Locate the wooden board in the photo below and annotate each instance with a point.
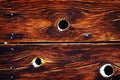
(37, 21)
(62, 61)
(29, 29)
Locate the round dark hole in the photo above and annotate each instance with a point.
(63, 24)
(108, 70)
(38, 61)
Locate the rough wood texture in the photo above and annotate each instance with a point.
(23, 23)
(36, 20)
(62, 62)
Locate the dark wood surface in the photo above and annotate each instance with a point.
(29, 29)
(61, 62)
(36, 20)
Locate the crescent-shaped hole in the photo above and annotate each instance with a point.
(107, 70)
(37, 62)
(63, 25)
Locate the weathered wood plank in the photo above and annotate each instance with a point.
(61, 61)
(37, 21)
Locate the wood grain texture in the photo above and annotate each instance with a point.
(36, 20)
(62, 62)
